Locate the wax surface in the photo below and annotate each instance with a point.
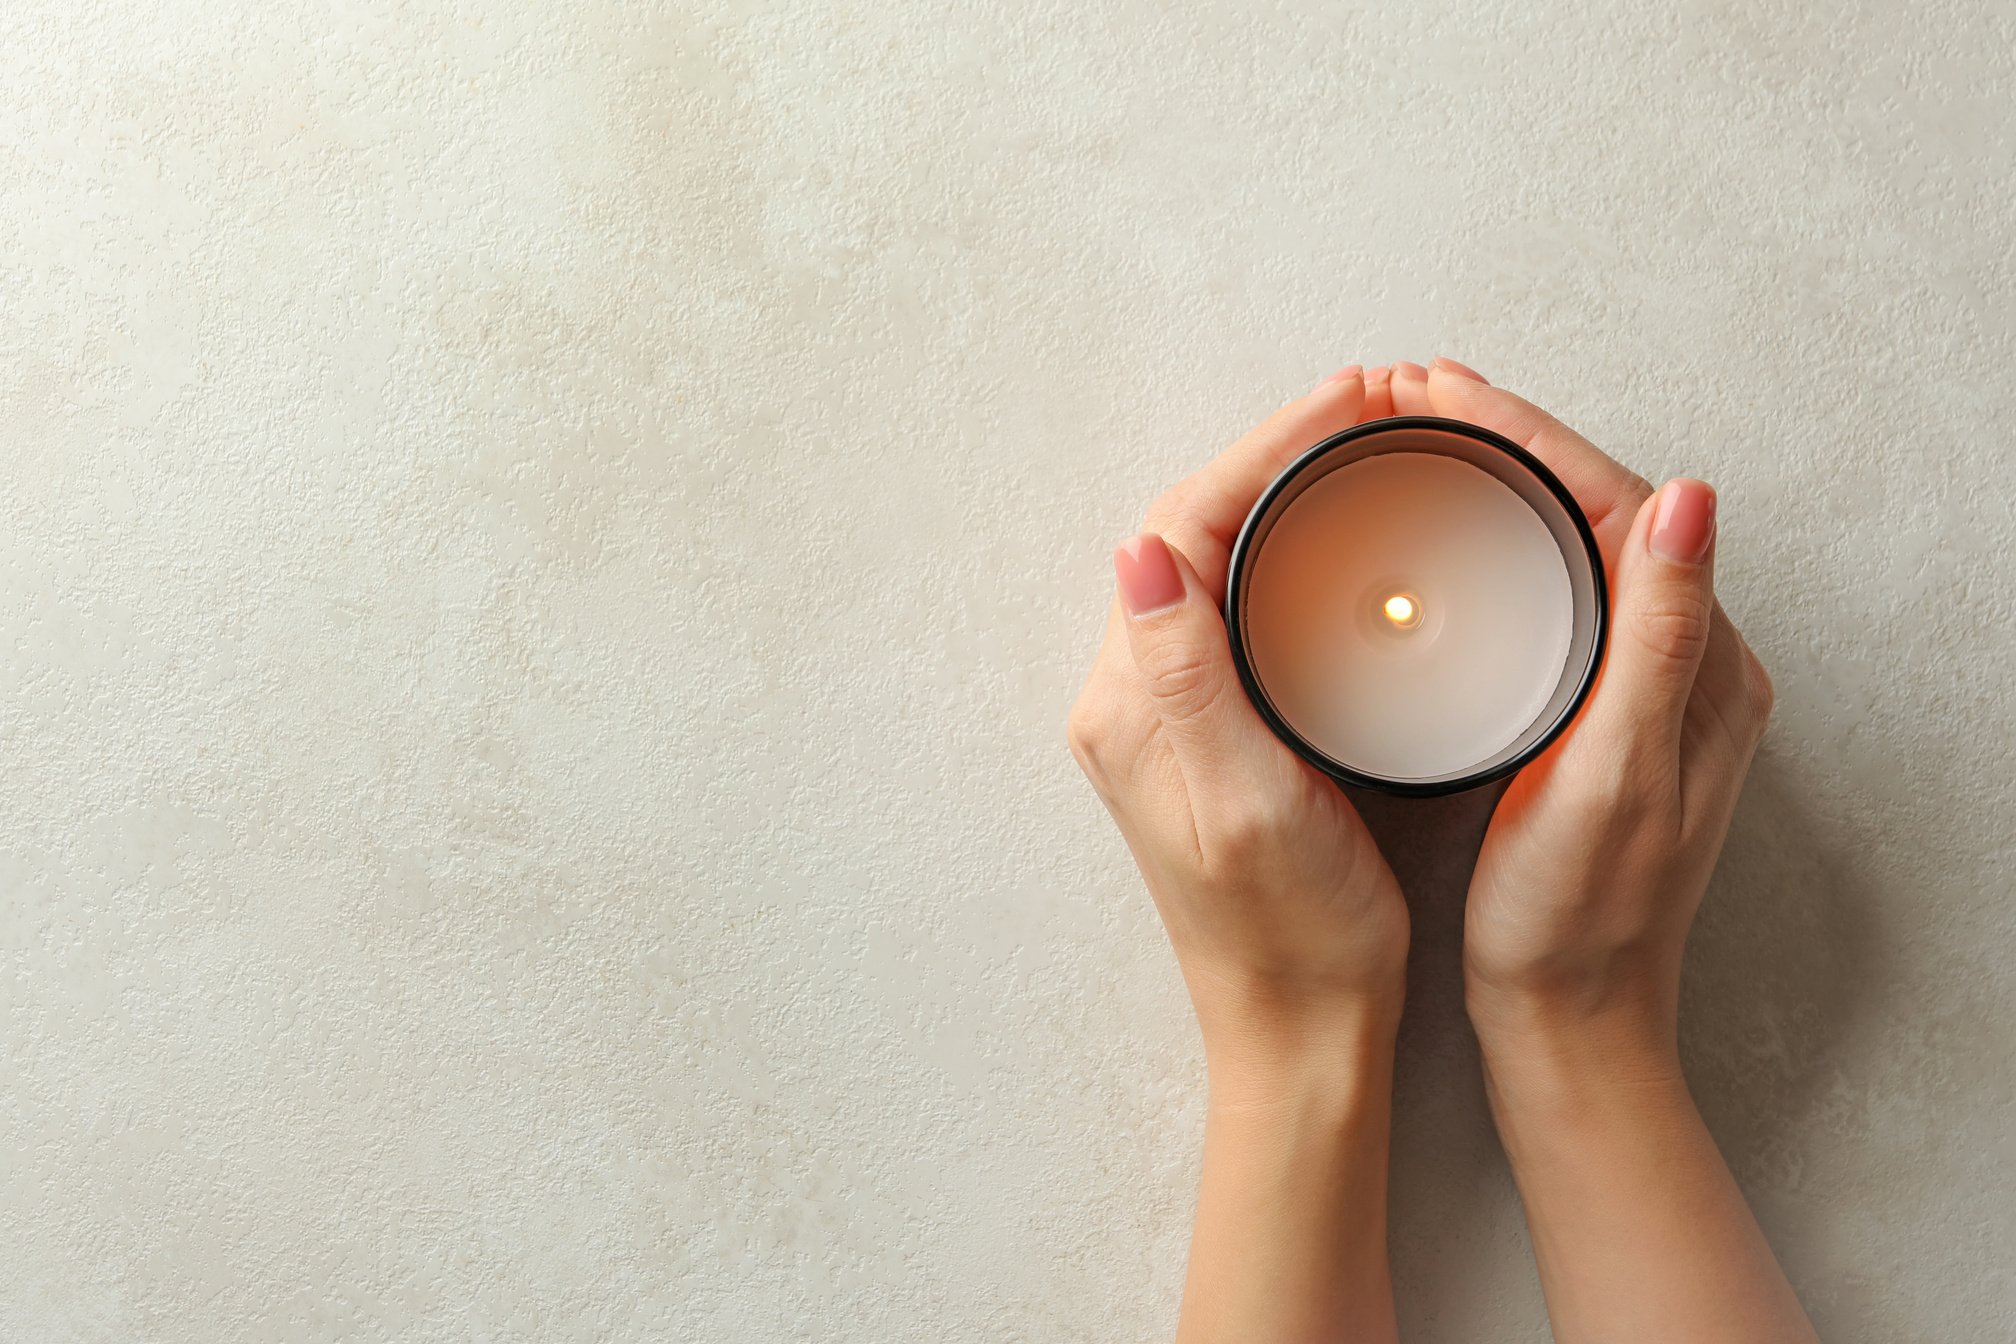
(1495, 615)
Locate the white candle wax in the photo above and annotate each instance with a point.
(1409, 615)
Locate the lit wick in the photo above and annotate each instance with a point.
(1403, 611)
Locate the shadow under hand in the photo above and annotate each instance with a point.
(1780, 969)
(1776, 965)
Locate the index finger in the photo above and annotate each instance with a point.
(1608, 492)
(1202, 514)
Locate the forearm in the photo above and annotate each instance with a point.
(1638, 1228)
(1290, 1240)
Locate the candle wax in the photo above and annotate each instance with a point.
(1409, 615)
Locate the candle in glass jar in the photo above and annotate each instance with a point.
(1410, 615)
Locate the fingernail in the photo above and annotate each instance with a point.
(1147, 575)
(1464, 370)
(1403, 369)
(1683, 522)
(1345, 374)
(1378, 375)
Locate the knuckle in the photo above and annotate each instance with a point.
(1170, 507)
(1615, 490)
(1617, 797)
(1243, 832)
(1623, 788)
(1182, 673)
(1086, 730)
(1675, 628)
(1553, 440)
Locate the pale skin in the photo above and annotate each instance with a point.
(1292, 933)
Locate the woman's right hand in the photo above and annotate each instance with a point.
(1594, 864)
(1599, 852)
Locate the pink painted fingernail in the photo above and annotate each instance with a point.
(1147, 575)
(1463, 370)
(1406, 369)
(1345, 374)
(1683, 522)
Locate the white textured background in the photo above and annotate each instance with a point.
(545, 548)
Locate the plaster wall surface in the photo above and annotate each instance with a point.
(545, 549)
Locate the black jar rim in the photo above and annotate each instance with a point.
(1244, 549)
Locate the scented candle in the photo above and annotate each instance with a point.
(1416, 605)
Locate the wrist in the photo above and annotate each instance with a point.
(1546, 1048)
(1567, 1103)
(1621, 1004)
(1267, 1049)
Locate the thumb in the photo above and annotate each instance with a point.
(1180, 649)
(1664, 607)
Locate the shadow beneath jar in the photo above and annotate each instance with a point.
(1460, 1270)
